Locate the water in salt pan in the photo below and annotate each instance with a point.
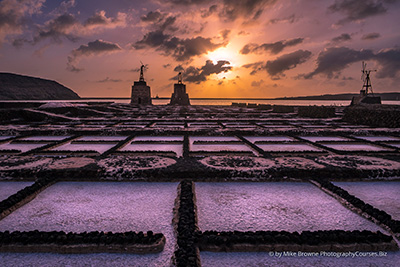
(269, 138)
(92, 206)
(220, 147)
(45, 138)
(213, 138)
(381, 195)
(158, 138)
(9, 188)
(287, 147)
(378, 138)
(272, 206)
(324, 138)
(21, 147)
(355, 147)
(176, 148)
(102, 138)
(394, 144)
(5, 137)
(101, 148)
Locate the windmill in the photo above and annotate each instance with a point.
(365, 93)
(366, 79)
(142, 68)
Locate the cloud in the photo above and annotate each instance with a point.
(371, 36)
(257, 83)
(273, 48)
(160, 21)
(97, 47)
(229, 10)
(67, 26)
(248, 9)
(331, 61)
(205, 13)
(290, 19)
(179, 68)
(275, 68)
(180, 49)
(256, 67)
(341, 38)
(355, 10)
(225, 34)
(14, 14)
(196, 75)
(107, 80)
(99, 19)
(389, 62)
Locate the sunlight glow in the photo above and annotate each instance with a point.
(224, 53)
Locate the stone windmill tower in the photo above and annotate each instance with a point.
(179, 96)
(141, 94)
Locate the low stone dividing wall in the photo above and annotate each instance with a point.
(24, 196)
(357, 205)
(333, 240)
(92, 242)
(185, 221)
(373, 115)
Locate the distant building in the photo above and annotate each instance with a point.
(141, 91)
(179, 96)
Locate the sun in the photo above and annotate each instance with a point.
(227, 54)
(223, 53)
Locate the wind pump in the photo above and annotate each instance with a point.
(367, 86)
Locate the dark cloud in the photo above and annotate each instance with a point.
(179, 68)
(152, 16)
(341, 38)
(225, 34)
(331, 61)
(257, 83)
(160, 21)
(57, 28)
(196, 75)
(273, 48)
(67, 26)
(248, 9)
(256, 67)
(389, 62)
(180, 49)
(167, 66)
(291, 19)
(276, 67)
(14, 15)
(92, 48)
(208, 12)
(108, 80)
(230, 10)
(100, 19)
(371, 36)
(355, 10)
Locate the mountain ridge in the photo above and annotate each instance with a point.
(21, 87)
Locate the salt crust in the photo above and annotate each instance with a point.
(71, 163)
(114, 164)
(363, 163)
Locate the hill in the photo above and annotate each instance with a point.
(384, 96)
(20, 87)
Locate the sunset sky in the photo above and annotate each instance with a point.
(225, 48)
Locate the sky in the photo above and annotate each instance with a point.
(224, 48)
